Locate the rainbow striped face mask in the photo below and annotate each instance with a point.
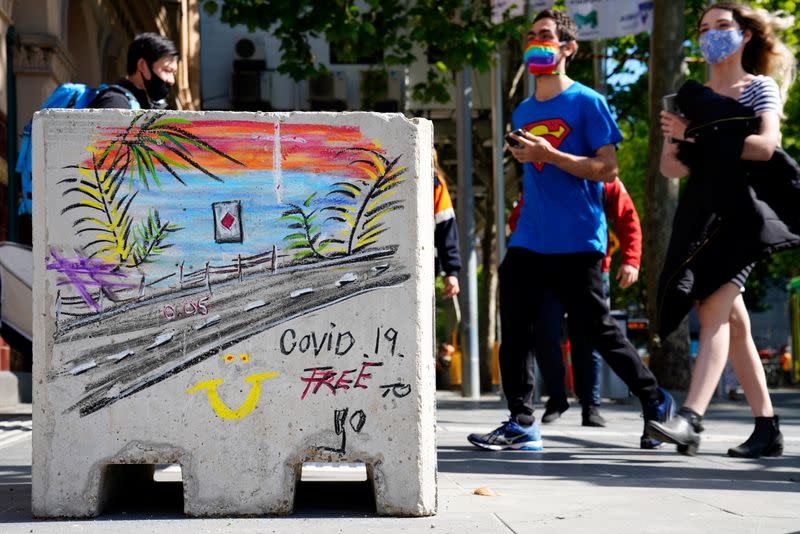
(541, 57)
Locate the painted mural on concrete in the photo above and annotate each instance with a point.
(210, 282)
(275, 221)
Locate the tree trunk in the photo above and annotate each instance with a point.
(669, 358)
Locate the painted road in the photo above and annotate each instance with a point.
(128, 349)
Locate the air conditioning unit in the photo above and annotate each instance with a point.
(251, 84)
(250, 49)
(331, 84)
(328, 91)
(396, 85)
(381, 90)
(340, 84)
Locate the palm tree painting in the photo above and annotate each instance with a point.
(362, 223)
(305, 240)
(144, 184)
(146, 144)
(358, 207)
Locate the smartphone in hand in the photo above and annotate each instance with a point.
(670, 105)
(513, 142)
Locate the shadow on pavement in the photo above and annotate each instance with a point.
(334, 499)
(595, 464)
(15, 493)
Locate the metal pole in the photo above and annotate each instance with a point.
(497, 156)
(470, 369)
(599, 66)
(499, 179)
(11, 135)
(530, 10)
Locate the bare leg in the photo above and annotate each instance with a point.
(714, 313)
(746, 363)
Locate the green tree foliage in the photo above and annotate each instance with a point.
(394, 30)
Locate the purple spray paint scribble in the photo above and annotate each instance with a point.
(82, 273)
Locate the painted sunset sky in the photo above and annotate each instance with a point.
(311, 158)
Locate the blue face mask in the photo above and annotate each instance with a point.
(717, 45)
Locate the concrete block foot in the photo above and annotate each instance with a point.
(401, 490)
(238, 487)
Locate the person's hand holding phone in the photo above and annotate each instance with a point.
(528, 148)
(512, 141)
(674, 127)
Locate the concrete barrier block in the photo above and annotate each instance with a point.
(236, 293)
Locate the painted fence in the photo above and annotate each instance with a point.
(237, 293)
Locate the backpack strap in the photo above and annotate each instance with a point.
(72, 99)
(133, 103)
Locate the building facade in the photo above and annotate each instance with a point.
(49, 42)
(239, 72)
(55, 41)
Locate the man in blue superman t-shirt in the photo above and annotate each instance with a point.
(568, 149)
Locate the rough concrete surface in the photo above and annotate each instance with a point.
(235, 293)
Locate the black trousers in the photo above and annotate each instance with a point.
(577, 283)
(586, 364)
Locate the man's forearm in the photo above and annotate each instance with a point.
(589, 168)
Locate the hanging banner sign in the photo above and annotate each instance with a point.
(517, 8)
(538, 5)
(609, 19)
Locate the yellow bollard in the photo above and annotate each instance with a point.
(496, 364)
(455, 363)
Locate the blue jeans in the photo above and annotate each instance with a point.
(586, 362)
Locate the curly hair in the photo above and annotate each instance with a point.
(565, 27)
(765, 53)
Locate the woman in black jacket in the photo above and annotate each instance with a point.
(736, 208)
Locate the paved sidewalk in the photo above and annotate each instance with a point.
(586, 480)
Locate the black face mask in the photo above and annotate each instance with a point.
(157, 89)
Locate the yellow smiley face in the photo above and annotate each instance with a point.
(219, 406)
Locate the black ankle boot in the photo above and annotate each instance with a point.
(766, 440)
(683, 430)
(590, 416)
(554, 408)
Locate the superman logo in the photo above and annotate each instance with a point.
(553, 130)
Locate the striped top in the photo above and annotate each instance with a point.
(762, 94)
